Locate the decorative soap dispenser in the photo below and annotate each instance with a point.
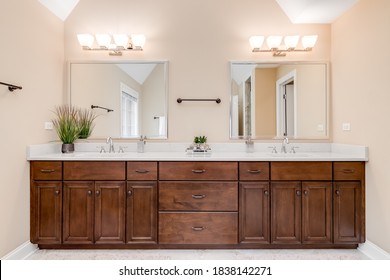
(141, 144)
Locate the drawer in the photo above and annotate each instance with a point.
(254, 171)
(94, 170)
(348, 170)
(141, 170)
(198, 170)
(46, 170)
(203, 196)
(297, 170)
(198, 228)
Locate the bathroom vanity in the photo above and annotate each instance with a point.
(167, 200)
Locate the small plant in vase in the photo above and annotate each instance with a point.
(200, 144)
(67, 127)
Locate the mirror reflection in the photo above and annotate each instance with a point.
(135, 94)
(275, 100)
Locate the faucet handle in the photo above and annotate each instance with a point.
(274, 151)
(121, 149)
(293, 149)
(102, 150)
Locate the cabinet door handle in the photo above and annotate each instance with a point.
(254, 171)
(348, 171)
(266, 192)
(337, 192)
(198, 170)
(198, 196)
(47, 170)
(89, 192)
(142, 171)
(305, 192)
(97, 193)
(57, 192)
(298, 193)
(129, 193)
(198, 228)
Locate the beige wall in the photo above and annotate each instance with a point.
(360, 71)
(198, 38)
(32, 54)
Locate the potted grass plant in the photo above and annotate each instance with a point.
(86, 124)
(66, 126)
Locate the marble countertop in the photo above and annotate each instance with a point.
(220, 152)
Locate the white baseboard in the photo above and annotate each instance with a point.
(22, 252)
(373, 251)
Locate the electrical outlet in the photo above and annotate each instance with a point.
(49, 125)
(346, 127)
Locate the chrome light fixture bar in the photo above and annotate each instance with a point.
(115, 44)
(275, 45)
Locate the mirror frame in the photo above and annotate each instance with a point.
(166, 78)
(286, 62)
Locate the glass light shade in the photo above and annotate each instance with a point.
(291, 42)
(121, 40)
(274, 42)
(103, 40)
(138, 40)
(256, 42)
(85, 40)
(309, 42)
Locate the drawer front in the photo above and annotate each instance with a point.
(198, 228)
(297, 170)
(141, 170)
(254, 171)
(204, 196)
(94, 170)
(348, 170)
(198, 170)
(46, 170)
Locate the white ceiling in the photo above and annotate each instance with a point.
(299, 11)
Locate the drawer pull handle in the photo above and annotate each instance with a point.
(198, 228)
(254, 171)
(47, 170)
(198, 170)
(348, 171)
(142, 171)
(198, 196)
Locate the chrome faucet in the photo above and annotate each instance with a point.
(284, 145)
(111, 145)
(141, 144)
(250, 145)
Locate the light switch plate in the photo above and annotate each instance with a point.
(346, 127)
(49, 126)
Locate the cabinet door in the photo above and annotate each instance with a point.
(78, 212)
(141, 221)
(316, 212)
(110, 212)
(254, 212)
(46, 207)
(347, 212)
(286, 212)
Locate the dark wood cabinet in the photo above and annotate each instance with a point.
(197, 204)
(254, 219)
(46, 212)
(141, 209)
(94, 212)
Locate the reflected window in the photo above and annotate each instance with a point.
(130, 109)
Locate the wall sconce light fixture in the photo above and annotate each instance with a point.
(115, 44)
(278, 49)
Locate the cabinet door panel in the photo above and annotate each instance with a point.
(78, 212)
(286, 212)
(141, 220)
(254, 213)
(46, 212)
(347, 212)
(316, 212)
(110, 212)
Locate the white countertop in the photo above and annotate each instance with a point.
(220, 152)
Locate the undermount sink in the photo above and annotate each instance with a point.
(289, 155)
(99, 155)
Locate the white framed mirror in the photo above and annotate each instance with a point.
(281, 99)
(130, 97)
